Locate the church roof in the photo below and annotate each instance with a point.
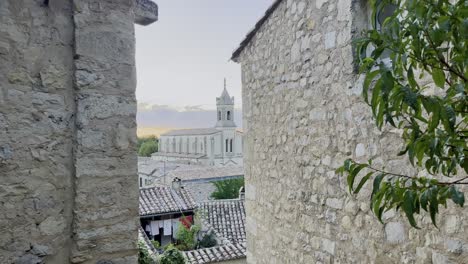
(192, 132)
(251, 34)
(225, 98)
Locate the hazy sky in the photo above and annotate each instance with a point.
(183, 58)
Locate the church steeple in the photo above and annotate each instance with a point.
(225, 109)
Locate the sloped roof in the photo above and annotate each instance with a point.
(226, 218)
(163, 199)
(206, 172)
(254, 31)
(194, 131)
(216, 254)
(146, 241)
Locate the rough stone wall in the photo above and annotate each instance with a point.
(106, 208)
(303, 116)
(68, 188)
(36, 131)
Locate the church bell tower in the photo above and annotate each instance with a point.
(225, 109)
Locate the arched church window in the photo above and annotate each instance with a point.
(228, 115)
(227, 143)
(219, 115)
(230, 145)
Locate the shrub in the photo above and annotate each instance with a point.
(155, 244)
(172, 256)
(186, 237)
(227, 189)
(143, 254)
(209, 240)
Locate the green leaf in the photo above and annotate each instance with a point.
(409, 208)
(376, 184)
(434, 204)
(457, 196)
(362, 182)
(367, 81)
(352, 175)
(438, 76)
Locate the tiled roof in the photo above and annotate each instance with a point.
(163, 199)
(207, 172)
(194, 131)
(257, 27)
(216, 254)
(145, 240)
(226, 218)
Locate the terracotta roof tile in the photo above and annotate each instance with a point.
(226, 217)
(163, 199)
(216, 254)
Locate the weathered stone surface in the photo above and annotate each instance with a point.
(303, 116)
(68, 189)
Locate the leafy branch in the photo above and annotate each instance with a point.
(416, 80)
(399, 191)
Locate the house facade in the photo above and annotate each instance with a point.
(163, 210)
(303, 116)
(217, 146)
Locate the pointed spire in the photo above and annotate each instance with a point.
(225, 97)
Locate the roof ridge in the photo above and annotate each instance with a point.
(254, 31)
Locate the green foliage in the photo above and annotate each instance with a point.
(425, 40)
(186, 237)
(156, 244)
(227, 189)
(209, 240)
(172, 256)
(147, 146)
(143, 254)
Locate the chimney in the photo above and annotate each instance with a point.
(242, 193)
(176, 184)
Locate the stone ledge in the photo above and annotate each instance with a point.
(146, 12)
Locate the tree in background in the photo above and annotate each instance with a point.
(425, 40)
(147, 146)
(227, 189)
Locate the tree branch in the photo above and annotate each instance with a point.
(442, 59)
(457, 182)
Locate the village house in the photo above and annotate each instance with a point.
(226, 219)
(198, 179)
(164, 209)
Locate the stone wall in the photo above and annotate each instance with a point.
(303, 116)
(68, 189)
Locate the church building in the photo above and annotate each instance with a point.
(217, 146)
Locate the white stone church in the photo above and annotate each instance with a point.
(217, 146)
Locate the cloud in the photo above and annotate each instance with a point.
(151, 115)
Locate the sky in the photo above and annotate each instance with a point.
(183, 58)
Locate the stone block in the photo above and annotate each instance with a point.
(395, 232)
